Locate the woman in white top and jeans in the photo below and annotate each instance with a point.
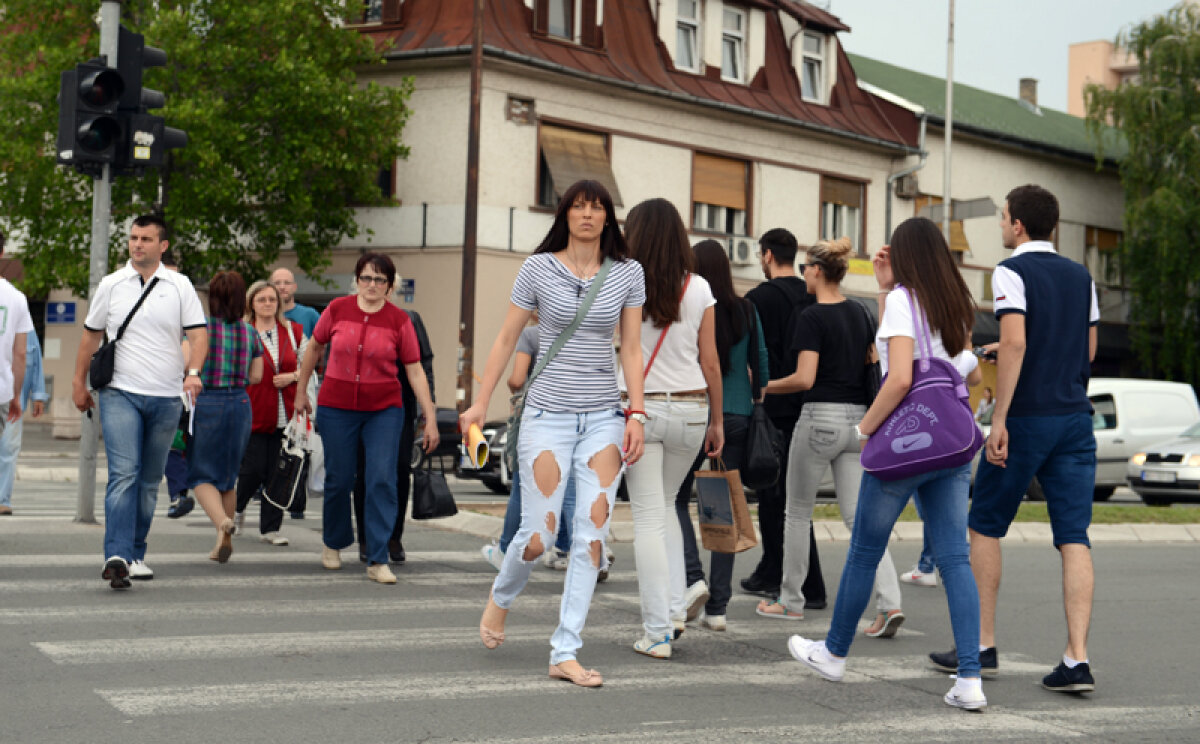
(679, 344)
(573, 423)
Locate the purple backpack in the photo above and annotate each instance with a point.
(933, 427)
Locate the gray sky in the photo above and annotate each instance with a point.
(996, 43)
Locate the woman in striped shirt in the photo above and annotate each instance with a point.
(573, 423)
(221, 417)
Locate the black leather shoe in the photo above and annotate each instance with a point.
(815, 604)
(947, 661)
(754, 585)
(396, 551)
(362, 557)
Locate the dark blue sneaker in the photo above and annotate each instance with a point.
(947, 661)
(181, 506)
(1064, 679)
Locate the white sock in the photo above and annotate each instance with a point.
(968, 684)
(825, 652)
(1072, 663)
(983, 648)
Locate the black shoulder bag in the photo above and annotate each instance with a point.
(100, 371)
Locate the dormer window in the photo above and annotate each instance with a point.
(561, 21)
(372, 12)
(733, 45)
(574, 21)
(687, 36)
(812, 73)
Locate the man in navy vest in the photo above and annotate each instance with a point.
(1041, 425)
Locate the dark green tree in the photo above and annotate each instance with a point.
(1159, 117)
(284, 138)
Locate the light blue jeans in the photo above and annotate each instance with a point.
(138, 430)
(10, 447)
(573, 439)
(512, 516)
(942, 496)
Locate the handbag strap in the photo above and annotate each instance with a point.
(663, 335)
(755, 365)
(145, 294)
(569, 331)
(921, 326)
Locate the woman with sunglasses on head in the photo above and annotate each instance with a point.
(682, 376)
(361, 402)
(573, 423)
(920, 260)
(833, 345)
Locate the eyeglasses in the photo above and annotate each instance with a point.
(380, 281)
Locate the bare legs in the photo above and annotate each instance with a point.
(219, 506)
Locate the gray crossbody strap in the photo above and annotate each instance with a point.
(569, 331)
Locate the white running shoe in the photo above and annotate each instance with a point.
(712, 622)
(239, 522)
(967, 697)
(694, 598)
(274, 538)
(816, 657)
(919, 577)
(652, 648)
(556, 559)
(493, 555)
(140, 571)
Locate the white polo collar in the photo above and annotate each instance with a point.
(1034, 246)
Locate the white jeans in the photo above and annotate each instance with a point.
(674, 434)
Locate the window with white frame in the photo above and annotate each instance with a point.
(561, 21)
(733, 45)
(719, 194)
(1101, 256)
(812, 73)
(687, 36)
(841, 211)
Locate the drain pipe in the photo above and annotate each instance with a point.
(919, 112)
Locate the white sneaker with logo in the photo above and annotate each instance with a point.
(919, 577)
(816, 657)
(140, 571)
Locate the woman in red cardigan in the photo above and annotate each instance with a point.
(271, 401)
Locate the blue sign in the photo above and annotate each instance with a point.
(408, 288)
(60, 312)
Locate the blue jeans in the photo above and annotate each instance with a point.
(925, 563)
(379, 434)
(10, 447)
(942, 496)
(572, 439)
(138, 430)
(512, 516)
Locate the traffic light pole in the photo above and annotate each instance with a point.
(89, 430)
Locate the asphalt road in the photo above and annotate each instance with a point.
(271, 648)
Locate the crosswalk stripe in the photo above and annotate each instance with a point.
(260, 555)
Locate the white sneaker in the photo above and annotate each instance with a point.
(652, 648)
(816, 657)
(712, 622)
(918, 577)
(239, 521)
(556, 559)
(694, 598)
(274, 538)
(967, 697)
(493, 555)
(140, 571)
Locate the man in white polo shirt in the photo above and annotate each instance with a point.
(140, 408)
(14, 324)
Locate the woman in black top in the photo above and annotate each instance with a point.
(834, 341)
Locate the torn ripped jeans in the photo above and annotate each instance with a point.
(554, 446)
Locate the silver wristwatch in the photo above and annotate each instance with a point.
(641, 418)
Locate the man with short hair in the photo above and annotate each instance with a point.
(1041, 425)
(140, 407)
(776, 300)
(15, 324)
(284, 282)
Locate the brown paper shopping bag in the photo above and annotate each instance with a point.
(725, 525)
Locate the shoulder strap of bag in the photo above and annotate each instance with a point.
(921, 326)
(755, 366)
(145, 294)
(663, 335)
(569, 331)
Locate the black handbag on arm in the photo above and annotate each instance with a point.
(104, 361)
(764, 444)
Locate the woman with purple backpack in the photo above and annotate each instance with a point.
(923, 302)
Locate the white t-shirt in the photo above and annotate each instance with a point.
(677, 366)
(14, 319)
(898, 321)
(149, 358)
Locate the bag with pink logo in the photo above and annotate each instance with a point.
(932, 428)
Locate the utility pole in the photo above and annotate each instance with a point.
(466, 323)
(948, 202)
(89, 430)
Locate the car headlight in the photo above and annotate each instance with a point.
(1194, 461)
(1139, 459)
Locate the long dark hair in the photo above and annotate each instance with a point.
(731, 312)
(658, 241)
(921, 261)
(612, 243)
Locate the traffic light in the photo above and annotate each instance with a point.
(90, 131)
(147, 137)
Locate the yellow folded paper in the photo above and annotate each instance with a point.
(477, 448)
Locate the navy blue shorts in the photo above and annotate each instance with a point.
(1061, 452)
(220, 434)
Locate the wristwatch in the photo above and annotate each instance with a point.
(639, 417)
(192, 373)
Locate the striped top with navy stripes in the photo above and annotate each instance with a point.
(582, 377)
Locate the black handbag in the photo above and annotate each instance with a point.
(764, 444)
(872, 372)
(431, 497)
(104, 361)
(287, 478)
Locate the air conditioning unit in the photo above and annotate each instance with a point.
(741, 252)
(907, 187)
